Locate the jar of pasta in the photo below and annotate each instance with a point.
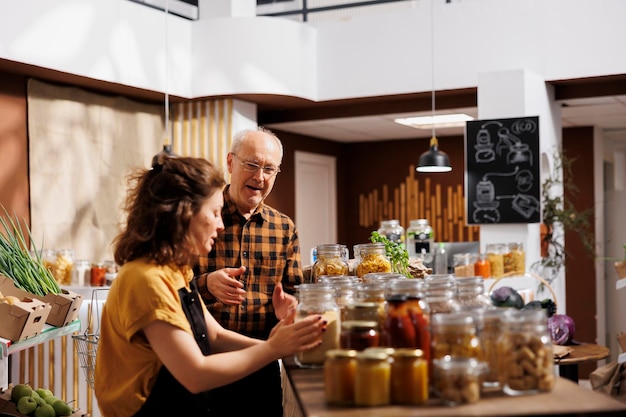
(517, 258)
(339, 374)
(455, 335)
(495, 255)
(373, 258)
(525, 348)
(409, 377)
(331, 260)
(318, 299)
(372, 378)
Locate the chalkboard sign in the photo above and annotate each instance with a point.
(502, 180)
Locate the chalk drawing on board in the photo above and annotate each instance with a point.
(484, 147)
(513, 148)
(486, 204)
(526, 205)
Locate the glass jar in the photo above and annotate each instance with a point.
(407, 322)
(81, 273)
(331, 260)
(525, 347)
(463, 265)
(97, 274)
(374, 293)
(318, 299)
(420, 240)
(409, 377)
(339, 374)
(482, 267)
(515, 259)
(470, 292)
(373, 258)
(383, 277)
(489, 335)
(495, 255)
(455, 335)
(111, 272)
(345, 287)
(372, 383)
(441, 294)
(392, 230)
(362, 310)
(457, 380)
(359, 335)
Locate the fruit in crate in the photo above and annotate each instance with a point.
(45, 410)
(44, 393)
(31, 402)
(19, 391)
(26, 405)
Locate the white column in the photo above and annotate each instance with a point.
(522, 93)
(226, 8)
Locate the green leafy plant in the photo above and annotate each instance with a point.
(398, 255)
(27, 272)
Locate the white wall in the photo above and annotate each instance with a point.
(123, 42)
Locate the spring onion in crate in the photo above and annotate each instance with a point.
(27, 272)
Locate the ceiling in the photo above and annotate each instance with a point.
(606, 112)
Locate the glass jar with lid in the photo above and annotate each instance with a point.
(409, 377)
(482, 267)
(455, 335)
(470, 292)
(373, 258)
(457, 380)
(372, 384)
(420, 240)
(515, 259)
(392, 230)
(339, 374)
(525, 346)
(81, 273)
(331, 260)
(384, 277)
(318, 299)
(495, 255)
(374, 292)
(463, 264)
(492, 319)
(441, 294)
(359, 334)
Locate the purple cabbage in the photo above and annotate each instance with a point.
(561, 328)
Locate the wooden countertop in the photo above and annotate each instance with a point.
(567, 399)
(583, 352)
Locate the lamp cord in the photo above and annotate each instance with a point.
(167, 96)
(432, 64)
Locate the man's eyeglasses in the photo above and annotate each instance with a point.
(269, 171)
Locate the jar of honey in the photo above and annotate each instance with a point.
(372, 384)
(359, 335)
(339, 374)
(409, 377)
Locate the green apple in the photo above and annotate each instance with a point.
(35, 395)
(19, 391)
(40, 401)
(62, 408)
(51, 399)
(45, 410)
(26, 405)
(44, 393)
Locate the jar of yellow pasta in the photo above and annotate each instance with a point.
(331, 261)
(495, 256)
(373, 258)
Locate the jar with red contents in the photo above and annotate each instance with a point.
(407, 323)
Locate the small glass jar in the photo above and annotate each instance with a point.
(491, 330)
(495, 255)
(455, 335)
(525, 347)
(384, 277)
(420, 241)
(111, 272)
(359, 335)
(470, 292)
(515, 259)
(339, 374)
(331, 260)
(372, 384)
(373, 258)
(441, 294)
(409, 377)
(392, 230)
(457, 380)
(318, 299)
(97, 274)
(374, 293)
(482, 267)
(463, 265)
(345, 287)
(82, 272)
(362, 310)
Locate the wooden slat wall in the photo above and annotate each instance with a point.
(414, 199)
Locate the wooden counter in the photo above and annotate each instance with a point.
(305, 396)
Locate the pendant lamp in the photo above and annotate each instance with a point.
(433, 160)
(167, 145)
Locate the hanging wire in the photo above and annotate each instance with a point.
(432, 63)
(167, 96)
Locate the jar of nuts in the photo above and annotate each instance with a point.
(525, 349)
(457, 380)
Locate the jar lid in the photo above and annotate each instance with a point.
(372, 355)
(359, 324)
(341, 353)
(386, 350)
(408, 353)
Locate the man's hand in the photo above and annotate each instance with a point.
(224, 286)
(282, 302)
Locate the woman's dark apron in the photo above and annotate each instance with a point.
(168, 397)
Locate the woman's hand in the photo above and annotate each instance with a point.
(290, 336)
(224, 286)
(282, 302)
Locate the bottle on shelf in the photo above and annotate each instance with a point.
(441, 259)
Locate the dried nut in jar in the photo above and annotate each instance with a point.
(457, 380)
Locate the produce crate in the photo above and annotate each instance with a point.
(64, 307)
(23, 319)
(8, 406)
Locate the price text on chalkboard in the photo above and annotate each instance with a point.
(502, 181)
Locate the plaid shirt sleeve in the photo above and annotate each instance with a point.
(268, 245)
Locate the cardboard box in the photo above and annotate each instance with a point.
(23, 319)
(65, 306)
(8, 406)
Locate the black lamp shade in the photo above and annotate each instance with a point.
(434, 160)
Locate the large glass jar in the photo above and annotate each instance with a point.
(463, 264)
(515, 259)
(441, 294)
(392, 230)
(372, 384)
(373, 258)
(482, 267)
(420, 240)
(525, 348)
(470, 292)
(318, 299)
(331, 260)
(492, 327)
(455, 335)
(495, 255)
(362, 310)
(339, 374)
(409, 377)
(457, 380)
(374, 293)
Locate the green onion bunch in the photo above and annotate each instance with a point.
(27, 272)
(398, 255)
